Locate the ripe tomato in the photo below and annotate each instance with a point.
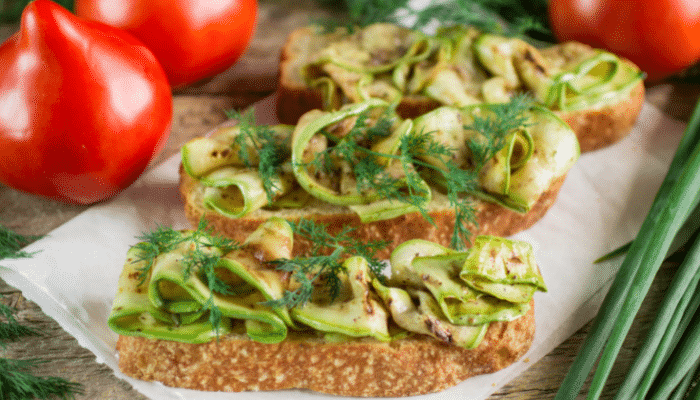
(661, 36)
(192, 39)
(83, 106)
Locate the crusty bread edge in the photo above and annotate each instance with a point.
(602, 127)
(492, 219)
(595, 128)
(363, 368)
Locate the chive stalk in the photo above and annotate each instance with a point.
(685, 356)
(667, 345)
(674, 201)
(666, 224)
(694, 394)
(682, 388)
(681, 300)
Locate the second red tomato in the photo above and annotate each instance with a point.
(192, 39)
(661, 36)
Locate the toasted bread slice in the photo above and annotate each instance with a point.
(534, 185)
(492, 219)
(430, 320)
(364, 368)
(597, 125)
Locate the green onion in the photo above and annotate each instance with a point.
(684, 357)
(672, 205)
(680, 302)
(683, 387)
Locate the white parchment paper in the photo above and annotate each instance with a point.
(604, 200)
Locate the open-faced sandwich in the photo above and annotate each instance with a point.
(597, 93)
(452, 172)
(198, 311)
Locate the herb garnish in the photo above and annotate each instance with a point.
(320, 266)
(507, 17)
(198, 259)
(260, 140)
(16, 380)
(495, 127)
(11, 329)
(371, 176)
(11, 244)
(153, 244)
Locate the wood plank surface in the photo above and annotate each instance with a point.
(197, 109)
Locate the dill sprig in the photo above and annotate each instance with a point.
(261, 139)
(152, 244)
(325, 262)
(496, 126)
(198, 259)
(17, 382)
(508, 17)
(10, 328)
(11, 244)
(457, 181)
(16, 379)
(372, 176)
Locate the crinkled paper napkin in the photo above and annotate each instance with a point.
(602, 204)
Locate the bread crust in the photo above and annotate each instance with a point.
(492, 219)
(602, 127)
(363, 368)
(595, 128)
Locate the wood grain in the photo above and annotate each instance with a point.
(202, 106)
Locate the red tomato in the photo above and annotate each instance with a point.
(661, 36)
(83, 106)
(192, 39)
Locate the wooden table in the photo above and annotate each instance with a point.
(197, 109)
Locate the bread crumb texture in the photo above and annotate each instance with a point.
(363, 368)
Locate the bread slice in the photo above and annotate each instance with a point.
(364, 368)
(492, 219)
(596, 127)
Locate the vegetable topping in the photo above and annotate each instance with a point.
(193, 287)
(460, 66)
(366, 158)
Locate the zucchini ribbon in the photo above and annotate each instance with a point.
(461, 66)
(432, 290)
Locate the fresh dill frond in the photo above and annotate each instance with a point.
(198, 259)
(11, 243)
(495, 127)
(325, 263)
(458, 182)
(526, 19)
(458, 12)
(16, 379)
(152, 244)
(405, 182)
(17, 382)
(10, 328)
(260, 139)
(366, 12)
